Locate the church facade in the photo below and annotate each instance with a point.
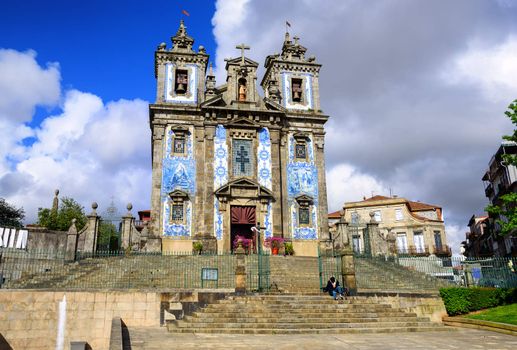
(226, 159)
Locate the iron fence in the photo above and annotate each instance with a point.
(122, 270)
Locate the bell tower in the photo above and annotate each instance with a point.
(291, 79)
(180, 71)
(241, 80)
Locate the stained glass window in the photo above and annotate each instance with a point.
(301, 151)
(242, 158)
(304, 216)
(179, 145)
(177, 212)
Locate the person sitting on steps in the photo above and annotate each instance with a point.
(334, 289)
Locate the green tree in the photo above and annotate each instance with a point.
(62, 218)
(108, 236)
(10, 216)
(506, 213)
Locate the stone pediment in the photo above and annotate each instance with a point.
(216, 101)
(245, 188)
(304, 199)
(272, 105)
(238, 61)
(243, 123)
(178, 194)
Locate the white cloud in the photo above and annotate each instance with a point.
(397, 118)
(24, 84)
(347, 184)
(493, 69)
(90, 150)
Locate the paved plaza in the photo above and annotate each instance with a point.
(159, 339)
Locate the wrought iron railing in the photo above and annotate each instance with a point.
(122, 270)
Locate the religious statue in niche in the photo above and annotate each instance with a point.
(181, 82)
(242, 89)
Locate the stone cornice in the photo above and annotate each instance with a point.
(169, 56)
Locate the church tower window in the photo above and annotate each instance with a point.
(304, 216)
(181, 85)
(241, 158)
(179, 146)
(177, 213)
(296, 89)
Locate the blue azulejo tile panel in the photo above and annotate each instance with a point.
(264, 159)
(302, 179)
(218, 220)
(220, 157)
(190, 97)
(174, 229)
(220, 175)
(286, 79)
(268, 222)
(178, 173)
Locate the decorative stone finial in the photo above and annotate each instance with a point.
(162, 47)
(201, 49)
(73, 221)
(55, 202)
(95, 205)
(56, 192)
(210, 70)
(129, 206)
(296, 38)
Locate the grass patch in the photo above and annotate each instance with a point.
(503, 314)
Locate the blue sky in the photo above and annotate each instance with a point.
(415, 89)
(104, 47)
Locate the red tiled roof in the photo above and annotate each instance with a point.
(376, 198)
(335, 215)
(417, 206)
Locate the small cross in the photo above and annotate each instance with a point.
(242, 47)
(241, 158)
(296, 40)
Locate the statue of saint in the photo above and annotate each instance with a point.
(242, 90)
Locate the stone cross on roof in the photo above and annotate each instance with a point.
(242, 47)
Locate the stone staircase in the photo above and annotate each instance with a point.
(300, 314)
(374, 274)
(293, 274)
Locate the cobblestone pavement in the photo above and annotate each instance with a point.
(160, 339)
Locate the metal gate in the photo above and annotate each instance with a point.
(258, 271)
(329, 264)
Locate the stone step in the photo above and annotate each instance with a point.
(314, 313)
(173, 329)
(306, 319)
(304, 325)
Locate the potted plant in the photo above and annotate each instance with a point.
(247, 243)
(274, 243)
(197, 247)
(288, 248)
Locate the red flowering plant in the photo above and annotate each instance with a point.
(247, 243)
(273, 242)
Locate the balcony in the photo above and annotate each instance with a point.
(413, 251)
(442, 251)
(489, 191)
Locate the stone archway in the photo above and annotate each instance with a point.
(242, 193)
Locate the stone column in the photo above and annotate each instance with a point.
(371, 233)
(348, 269)
(342, 233)
(319, 145)
(92, 231)
(276, 182)
(127, 228)
(71, 242)
(154, 243)
(208, 184)
(240, 270)
(284, 159)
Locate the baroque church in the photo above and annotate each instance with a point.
(226, 159)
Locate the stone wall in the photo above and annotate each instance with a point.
(42, 239)
(423, 305)
(29, 319)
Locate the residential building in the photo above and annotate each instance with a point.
(417, 227)
(499, 179)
